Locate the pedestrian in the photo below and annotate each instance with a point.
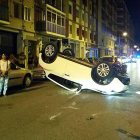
(30, 61)
(13, 59)
(4, 77)
(22, 58)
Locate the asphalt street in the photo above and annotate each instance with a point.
(46, 111)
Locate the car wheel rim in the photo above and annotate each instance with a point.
(49, 50)
(28, 81)
(103, 70)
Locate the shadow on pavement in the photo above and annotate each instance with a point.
(20, 89)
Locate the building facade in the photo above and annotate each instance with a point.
(124, 24)
(81, 27)
(73, 22)
(17, 33)
(107, 27)
(89, 27)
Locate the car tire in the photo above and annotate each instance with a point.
(50, 52)
(27, 81)
(68, 52)
(104, 70)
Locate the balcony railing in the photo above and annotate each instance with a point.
(51, 27)
(4, 13)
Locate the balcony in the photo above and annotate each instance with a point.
(52, 21)
(4, 15)
(50, 28)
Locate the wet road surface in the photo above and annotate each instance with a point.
(46, 111)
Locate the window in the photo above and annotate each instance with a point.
(84, 2)
(91, 36)
(49, 16)
(27, 14)
(17, 10)
(53, 18)
(77, 13)
(90, 5)
(110, 43)
(83, 33)
(70, 29)
(77, 31)
(83, 16)
(70, 9)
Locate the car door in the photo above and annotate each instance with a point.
(76, 72)
(15, 75)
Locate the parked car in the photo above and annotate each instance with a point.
(132, 59)
(110, 59)
(93, 60)
(19, 76)
(125, 59)
(115, 61)
(38, 73)
(101, 77)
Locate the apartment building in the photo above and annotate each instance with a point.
(72, 22)
(81, 27)
(124, 24)
(17, 32)
(107, 27)
(50, 20)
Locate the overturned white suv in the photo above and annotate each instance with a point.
(75, 75)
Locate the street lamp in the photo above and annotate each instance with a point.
(135, 46)
(124, 34)
(138, 49)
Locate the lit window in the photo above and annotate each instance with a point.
(27, 14)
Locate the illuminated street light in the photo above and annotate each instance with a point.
(135, 46)
(138, 49)
(124, 33)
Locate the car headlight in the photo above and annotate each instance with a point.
(133, 59)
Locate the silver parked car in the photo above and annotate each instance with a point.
(38, 73)
(19, 76)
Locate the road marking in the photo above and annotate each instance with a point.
(73, 95)
(53, 117)
(138, 92)
(71, 107)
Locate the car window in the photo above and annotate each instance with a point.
(12, 66)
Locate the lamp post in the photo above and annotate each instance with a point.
(124, 34)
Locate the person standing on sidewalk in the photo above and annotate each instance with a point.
(4, 78)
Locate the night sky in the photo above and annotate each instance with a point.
(134, 10)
